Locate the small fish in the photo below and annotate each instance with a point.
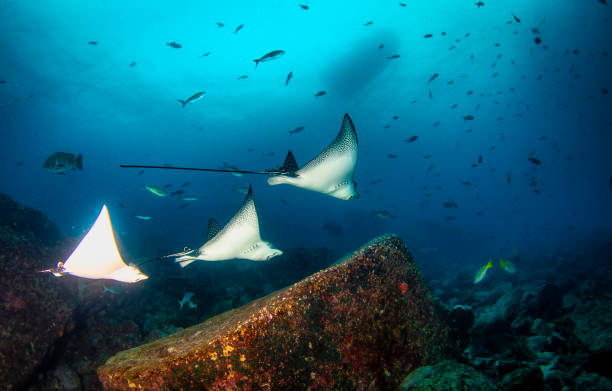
(143, 217)
(284, 202)
(167, 186)
(454, 106)
(393, 57)
(190, 198)
(241, 190)
(205, 54)
(193, 98)
(232, 168)
(468, 117)
(516, 18)
(156, 190)
(132, 64)
(183, 206)
(482, 272)
(174, 45)
(238, 28)
(509, 177)
(220, 25)
(297, 130)
(92, 42)
(368, 23)
(449, 218)
(535, 160)
(242, 77)
(538, 40)
(187, 300)
(380, 46)
(402, 4)
(479, 4)
(432, 78)
(61, 162)
(428, 36)
(450, 204)
(412, 139)
(2, 81)
(303, 6)
(289, 76)
(480, 159)
(273, 55)
(186, 184)
(392, 156)
(320, 93)
(383, 214)
(121, 205)
(140, 173)
(507, 266)
(436, 124)
(178, 193)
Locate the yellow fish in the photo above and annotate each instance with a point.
(156, 190)
(482, 272)
(507, 266)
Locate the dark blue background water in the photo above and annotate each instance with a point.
(63, 94)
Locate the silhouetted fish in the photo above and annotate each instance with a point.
(369, 23)
(296, 130)
(289, 76)
(174, 45)
(393, 57)
(273, 55)
(132, 64)
(433, 77)
(61, 162)
(535, 161)
(303, 6)
(92, 42)
(516, 18)
(450, 204)
(193, 98)
(320, 93)
(412, 139)
(220, 24)
(238, 28)
(205, 54)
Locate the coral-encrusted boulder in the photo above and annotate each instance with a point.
(364, 323)
(34, 309)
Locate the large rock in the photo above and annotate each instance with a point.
(447, 376)
(35, 310)
(363, 323)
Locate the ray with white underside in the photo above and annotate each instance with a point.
(240, 239)
(330, 172)
(97, 256)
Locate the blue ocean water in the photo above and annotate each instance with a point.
(115, 102)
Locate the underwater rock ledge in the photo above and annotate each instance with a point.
(363, 323)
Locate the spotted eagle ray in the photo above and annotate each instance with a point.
(330, 172)
(240, 238)
(97, 256)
